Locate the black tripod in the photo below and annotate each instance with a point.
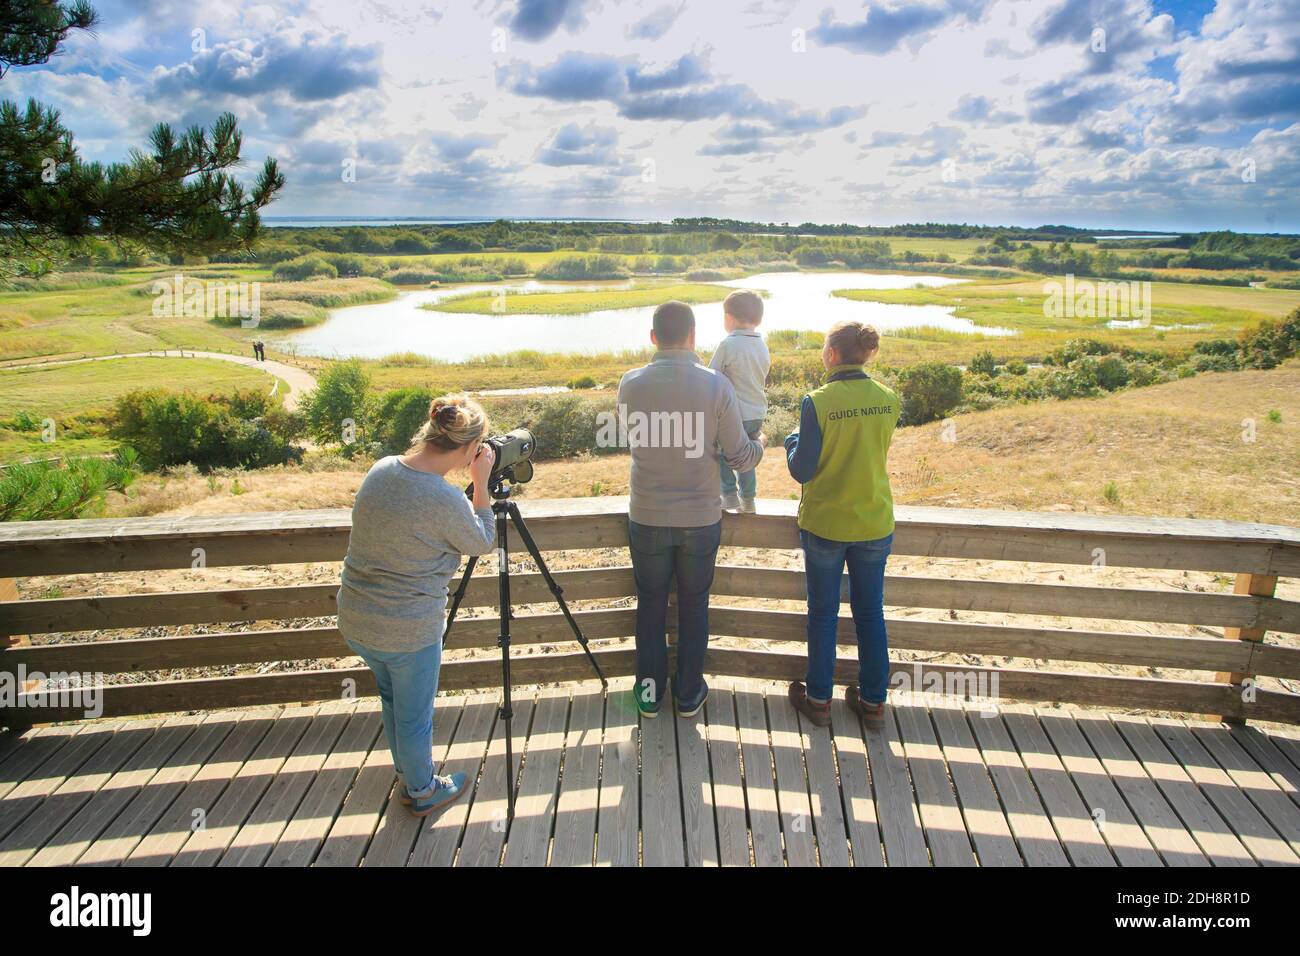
(504, 508)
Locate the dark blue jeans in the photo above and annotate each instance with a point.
(824, 562)
(660, 555)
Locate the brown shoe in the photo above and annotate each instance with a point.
(819, 714)
(873, 715)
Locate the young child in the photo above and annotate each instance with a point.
(743, 358)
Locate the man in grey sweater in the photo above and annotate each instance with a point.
(677, 417)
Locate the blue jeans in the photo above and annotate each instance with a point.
(824, 562)
(748, 479)
(408, 684)
(658, 556)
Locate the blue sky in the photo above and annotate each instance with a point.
(1138, 114)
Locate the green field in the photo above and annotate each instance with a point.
(79, 397)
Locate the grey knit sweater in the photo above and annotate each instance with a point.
(409, 531)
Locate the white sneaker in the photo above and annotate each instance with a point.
(730, 502)
(747, 506)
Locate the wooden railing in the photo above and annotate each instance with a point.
(744, 593)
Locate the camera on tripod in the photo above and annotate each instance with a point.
(513, 466)
(514, 463)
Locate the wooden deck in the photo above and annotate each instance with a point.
(743, 783)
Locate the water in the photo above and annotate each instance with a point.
(796, 300)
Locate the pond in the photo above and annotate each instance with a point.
(795, 300)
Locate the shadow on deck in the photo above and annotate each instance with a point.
(742, 783)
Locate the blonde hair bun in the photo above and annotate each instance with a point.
(454, 422)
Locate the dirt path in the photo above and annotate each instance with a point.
(300, 381)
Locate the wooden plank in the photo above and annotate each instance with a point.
(1256, 585)
(698, 825)
(1211, 833)
(618, 819)
(114, 544)
(1158, 819)
(151, 801)
(206, 845)
(1071, 818)
(1190, 653)
(1017, 684)
(261, 538)
(54, 811)
(529, 841)
(1273, 660)
(440, 839)
(662, 838)
(37, 747)
(728, 781)
(574, 843)
(941, 818)
(62, 615)
(1260, 838)
(75, 836)
(331, 683)
(760, 780)
(855, 784)
(982, 814)
(488, 822)
(1026, 815)
(1253, 781)
(190, 809)
(398, 829)
(824, 793)
(51, 774)
(797, 824)
(1118, 827)
(1011, 597)
(900, 821)
(1263, 748)
(256, 839)
(354, 827)
(311, 822)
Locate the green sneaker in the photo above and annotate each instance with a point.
(643, 706)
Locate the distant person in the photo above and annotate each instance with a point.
(743, 358)
(257, 351)
(677, 412)
(410, 527)
(846, 515)
(261, 351)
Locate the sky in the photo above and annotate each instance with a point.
(1129, 114)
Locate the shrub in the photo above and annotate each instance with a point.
(175, 428)
(984, 364)
(928, 391)
(1112, 373)
(307, 267)
(400, 414)
(1015, 367)
(581, 382)
(336, 411)
(584, 267)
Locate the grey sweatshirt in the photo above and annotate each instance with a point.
(743, 357)
(409, 530)
(679, 418)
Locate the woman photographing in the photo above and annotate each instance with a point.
(410, 529)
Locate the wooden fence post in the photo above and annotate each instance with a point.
(1256, 585)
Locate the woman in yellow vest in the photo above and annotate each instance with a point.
(846, 516)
